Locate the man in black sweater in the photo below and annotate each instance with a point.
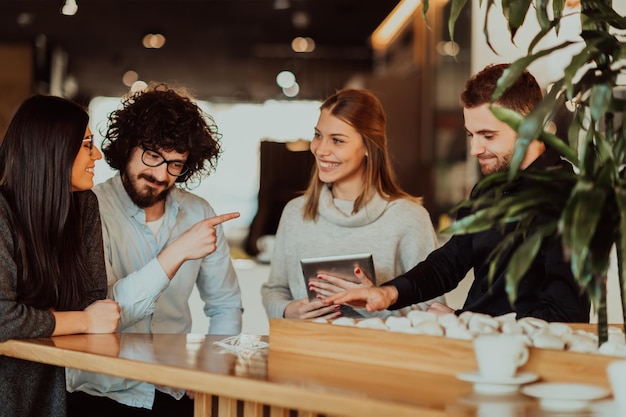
(548, 290)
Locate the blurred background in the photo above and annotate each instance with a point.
(260, 68)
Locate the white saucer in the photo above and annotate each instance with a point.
(491, 385)
(605, 408)
(565, 396)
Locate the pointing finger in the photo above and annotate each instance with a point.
(214, 221)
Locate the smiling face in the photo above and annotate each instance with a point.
(84, 164)
(146, 186)
(340, 155)
(491, 140)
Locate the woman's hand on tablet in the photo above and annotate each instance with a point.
(327, 285)
(305, 309)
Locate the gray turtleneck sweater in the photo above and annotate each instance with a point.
(398, 234)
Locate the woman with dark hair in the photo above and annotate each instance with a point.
(353, 204)
(52, 273)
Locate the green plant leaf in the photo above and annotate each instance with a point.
(532, 125)
(573, 132)
(425, 4)
(516, 13)
(587, 152)
(608, 43)
(514, 119)
(603, 13)
(620, 196)
(604, 237)
(589, 52)
(501, 249)
(541, 11)
(523, 257)
(606, 159)
(513, 71)
(600, 100)
(561, 147)
(490, 4)
(619, 147)
(557, 9)
(620, 53)
(581, 217)
(538, 37)
(455, 11)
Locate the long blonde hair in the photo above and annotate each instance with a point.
(363, 111)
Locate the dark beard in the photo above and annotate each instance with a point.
(503, 166)
(146, 199)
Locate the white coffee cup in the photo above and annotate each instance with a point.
(499, 355)
(616, 372)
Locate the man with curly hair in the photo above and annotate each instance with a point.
(159, 241)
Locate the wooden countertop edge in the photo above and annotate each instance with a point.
(247, 389)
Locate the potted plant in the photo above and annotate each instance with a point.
(588, 208)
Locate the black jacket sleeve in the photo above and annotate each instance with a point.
(439, 273)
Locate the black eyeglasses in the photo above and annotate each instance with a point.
(154, 159)
(88, 143)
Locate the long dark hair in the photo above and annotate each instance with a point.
(362, 110)
(36, 159)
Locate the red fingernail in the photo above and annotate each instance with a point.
(319, 277)
(357, 270)
(336, 306)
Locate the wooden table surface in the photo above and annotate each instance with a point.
(275, 384)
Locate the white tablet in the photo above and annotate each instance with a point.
(341, 266)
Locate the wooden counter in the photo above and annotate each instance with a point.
(225, 385)
(309, 371)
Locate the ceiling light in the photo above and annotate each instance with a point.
(130, 77)
(394, 23)
(301, 44)
(25, 19)
(69, 8)
(285, 79)
(449, 48)
(281, 4)
(292, 91)
(300, 20)
(138, 86)
(153, 41)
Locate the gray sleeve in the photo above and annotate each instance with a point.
(17, 320)
(276, 293)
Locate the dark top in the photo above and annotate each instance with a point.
(548, 290)
(30, 389)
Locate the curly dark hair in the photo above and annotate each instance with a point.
(160, 117)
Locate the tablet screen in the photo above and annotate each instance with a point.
(341, 266)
